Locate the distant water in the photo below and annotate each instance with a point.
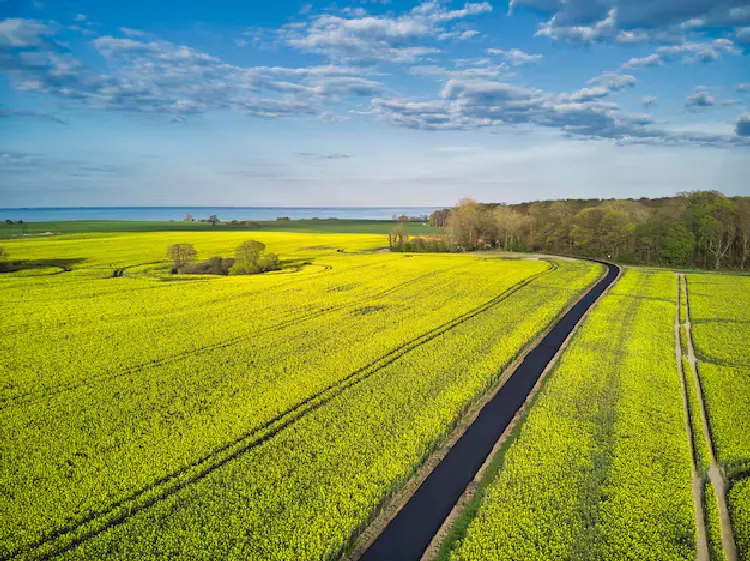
(222, 213)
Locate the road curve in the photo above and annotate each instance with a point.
(409, 534)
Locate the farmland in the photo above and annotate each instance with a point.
(262, 417)
(719, 316)
(601, 469)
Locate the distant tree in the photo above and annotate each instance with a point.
(398, 238)
(213, 220)
(464, 224)
(679, 244)
(211, 266)
(8, 222)
(182, 254)
(188, 217)
(439, 218)
(616, 232)
(249, 251)
(250, 259)
(743, 230)
(716, 228)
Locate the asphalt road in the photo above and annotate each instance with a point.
(407, 536)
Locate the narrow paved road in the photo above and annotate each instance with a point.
(410, 532)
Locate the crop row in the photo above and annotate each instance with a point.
(601, 468)
(739, 506)
(304, 492)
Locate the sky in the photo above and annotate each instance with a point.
(371, 102)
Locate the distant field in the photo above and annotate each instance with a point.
(262, 417)
(302, 226)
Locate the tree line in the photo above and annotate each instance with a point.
(693, 229)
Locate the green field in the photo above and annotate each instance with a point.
(601, 467)
(170, 418)
(302, 226)
(272, 416)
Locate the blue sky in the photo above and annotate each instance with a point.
(367, 103)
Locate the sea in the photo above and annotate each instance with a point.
(222, 213)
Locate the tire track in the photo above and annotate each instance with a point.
(715, 476)
(697, 484)
(69, 536)
(36, 396)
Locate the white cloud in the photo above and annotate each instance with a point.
(644, 62)
(614, 81)
(699, 99)
(648, 100)
(516, 57)
(631, 21)
(162, 77)
(743, 87)
(699, 52)
(131, 32)
(23, 33)
(580, 115)
(381, 38)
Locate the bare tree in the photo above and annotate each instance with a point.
(188, 217)
(213, 220)
(182, 254)
(743, 227)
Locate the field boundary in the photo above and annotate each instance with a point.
(67, 537)
(715, 476)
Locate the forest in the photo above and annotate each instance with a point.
(703, 229)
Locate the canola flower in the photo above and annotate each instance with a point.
(602, 466)
(270, 419)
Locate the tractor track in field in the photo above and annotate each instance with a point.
(35, 396)
(697, 485)
(66, 538)
(715, 475)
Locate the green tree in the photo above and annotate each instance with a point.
(250, 259)
(181, 254)
(679, 244)
(615, 231)
(743, 230)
